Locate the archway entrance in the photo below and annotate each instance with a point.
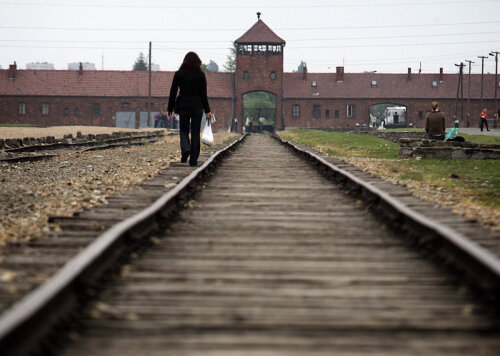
(259, 104)
(389, 115)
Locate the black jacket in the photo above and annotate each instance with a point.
(193, 90)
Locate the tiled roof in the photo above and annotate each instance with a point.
(260, 33)
(221, 85)
(358, 86)
(103, 83)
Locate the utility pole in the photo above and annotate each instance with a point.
(468, 93)
(495, 53)
(482, 75)
(460, 84)
(149, 88)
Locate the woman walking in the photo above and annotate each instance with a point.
(484, 120)
(192, 100)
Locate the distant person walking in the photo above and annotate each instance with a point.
(247, 124)
(484, 120)
(435, 123)
(229, 125)
(192, 100)
(261, 124)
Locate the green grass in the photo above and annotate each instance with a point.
(474, 180)
(17, 125)
(344, 144)
(480, 138)
(477, 180)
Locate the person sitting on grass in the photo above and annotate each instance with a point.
(435, 123)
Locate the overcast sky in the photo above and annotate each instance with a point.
(363, 35)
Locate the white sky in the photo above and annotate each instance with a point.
(365, 35)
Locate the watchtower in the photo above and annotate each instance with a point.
(259, 75)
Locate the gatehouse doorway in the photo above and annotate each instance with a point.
(259, 104)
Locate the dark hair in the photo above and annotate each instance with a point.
(191, 61)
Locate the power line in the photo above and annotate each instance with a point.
(214, 7)
(288, 40)
(239, 29)
(225, 48)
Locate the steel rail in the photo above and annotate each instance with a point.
(468, 256)
(28, 322)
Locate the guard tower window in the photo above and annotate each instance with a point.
(296, 110)
(317, 111)
(245, 75)
(273, 75)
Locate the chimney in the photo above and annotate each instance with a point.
(13, 71)
(304, 73)
(80, 70)
(441, 76)
(340, 74)
(408, 78)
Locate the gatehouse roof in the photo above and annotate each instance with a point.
(260, 33)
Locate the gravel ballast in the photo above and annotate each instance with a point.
(34, 191)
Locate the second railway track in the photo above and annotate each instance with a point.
(273, 257)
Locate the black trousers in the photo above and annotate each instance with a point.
(190, 120)
(484, 122)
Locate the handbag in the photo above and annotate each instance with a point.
(207, 136)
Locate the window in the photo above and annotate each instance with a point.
(314, 83)
(125, 105)
(337, 114)
(420, 114)
(45, 109)
(295, 110)
(245, 75)
(149, 105)
(21, 109)
(97, 109)
(0, 108)
(66, 111)
(434, 83)
(374, 83)
(350, 110)
(327, 113)
(75, 111)
(317, 111)
(273, 75)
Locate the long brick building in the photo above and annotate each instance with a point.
(258, 87)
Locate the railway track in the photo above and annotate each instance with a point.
(269, 255)
(29, 150)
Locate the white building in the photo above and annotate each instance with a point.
(76, 66)
(38, 65)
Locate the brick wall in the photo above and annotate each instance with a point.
(361, 116)
(80, 110)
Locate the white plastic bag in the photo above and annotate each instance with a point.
(207, 137)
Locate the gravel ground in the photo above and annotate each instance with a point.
(31, 192)
(489, 217)
(60, 131)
